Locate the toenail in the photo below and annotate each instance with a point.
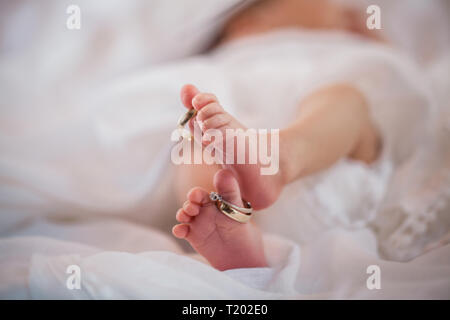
(191, 208)
(196, 99)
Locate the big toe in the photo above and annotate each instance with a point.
(228, 187)
(188, 92)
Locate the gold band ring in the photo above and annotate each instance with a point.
(186, 117)
(232, 211)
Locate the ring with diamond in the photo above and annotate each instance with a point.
(232, 211)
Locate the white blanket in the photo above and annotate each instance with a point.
(84, 135)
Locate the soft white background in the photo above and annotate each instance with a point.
(85, 118)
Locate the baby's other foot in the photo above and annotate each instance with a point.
(225, 243)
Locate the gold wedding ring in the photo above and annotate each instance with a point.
(232, 211)
(183, 121)
(186, 117)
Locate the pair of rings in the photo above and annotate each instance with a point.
(232, 211)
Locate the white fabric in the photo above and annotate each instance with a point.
(258, 278)
(84, 148)
(331, 268)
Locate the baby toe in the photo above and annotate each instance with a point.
(182, 216)
(209, 111)
(191, 209)
(180, 231)
(203, 99)
(188, 92)
(216, 122)
(198, 195)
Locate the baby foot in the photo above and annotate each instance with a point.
(260, 190)
(225, 243)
